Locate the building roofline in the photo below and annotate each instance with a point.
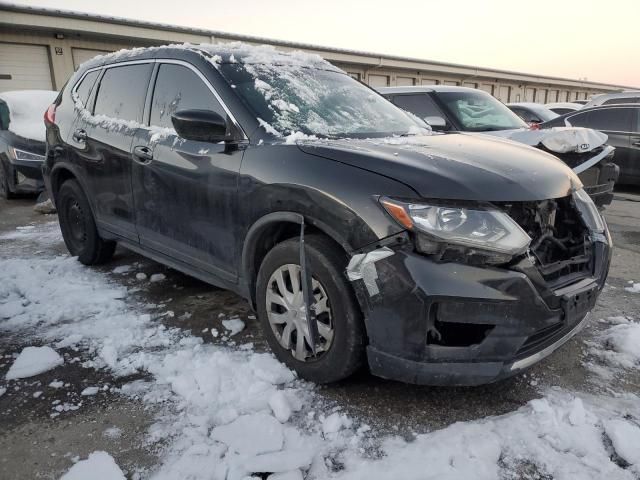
(480, 71)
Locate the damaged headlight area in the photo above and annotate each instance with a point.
(588, 211)
(457, 233)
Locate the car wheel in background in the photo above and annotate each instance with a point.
(4, 185)
(79, 227)
(340, 348)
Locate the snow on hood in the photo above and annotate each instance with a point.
(557, 139)
(26, 111)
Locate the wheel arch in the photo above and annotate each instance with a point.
(272, 229)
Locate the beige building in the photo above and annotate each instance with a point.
(40, 48)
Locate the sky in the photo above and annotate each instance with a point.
(596, 40)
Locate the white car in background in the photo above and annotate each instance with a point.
(564, 107)
(532, 113)
(614, 98)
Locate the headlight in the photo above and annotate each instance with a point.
(27, 156)
(484, 229)
(588, 210)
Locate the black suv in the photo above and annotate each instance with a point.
(621, 123)
(353, 232)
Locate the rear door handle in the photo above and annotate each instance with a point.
(80, 135)
(142, 154)
(636, 142)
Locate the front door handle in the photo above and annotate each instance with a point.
(80, 135)
(636, 143)
(142, 154)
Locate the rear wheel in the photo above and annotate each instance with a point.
(340, 346)
(79, 228)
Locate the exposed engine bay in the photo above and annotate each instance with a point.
(560, 244)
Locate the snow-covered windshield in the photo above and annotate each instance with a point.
(315, 101)
(21, 112)
(479, 112)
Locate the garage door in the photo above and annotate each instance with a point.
(378, 80)
(81, 55)
(24, 67)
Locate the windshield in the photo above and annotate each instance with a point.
(479, 112)
(293, 98)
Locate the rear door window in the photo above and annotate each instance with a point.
(180, 88)
(122, 92)
(420, 105)
(611, 119)
(86, 85)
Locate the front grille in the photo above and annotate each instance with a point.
(590, 176)
(560, 243)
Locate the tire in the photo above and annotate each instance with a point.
(345, 353)
(4, 185)
(79, 227)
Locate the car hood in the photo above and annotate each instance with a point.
(456, 166)
(556, 139)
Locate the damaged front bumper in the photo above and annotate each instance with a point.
(457, 324)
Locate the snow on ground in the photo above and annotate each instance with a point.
(225, 413)
(634, 288)
(617, 347)
(98, 466)
(33, 361)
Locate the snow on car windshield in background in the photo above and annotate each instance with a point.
(24, 111)
(480, 112)
(299, 92)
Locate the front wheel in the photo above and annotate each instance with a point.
(340, 346)
(79, 227)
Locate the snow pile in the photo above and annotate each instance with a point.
(560, 436)
(34, 361)
(226, 414)
(234, 325)
(26, 111)
(44, 234)
(619, 345)
(625, 439)
(634, 288)
(98, 466)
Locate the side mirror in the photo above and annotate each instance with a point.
(200, 125)
(437, 123)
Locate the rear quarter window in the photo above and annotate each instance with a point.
(122, 92)
(83, 90)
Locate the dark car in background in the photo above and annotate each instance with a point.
(532, 113)
(22, 146)
(449, 108)
(621, 123)
(354, 232)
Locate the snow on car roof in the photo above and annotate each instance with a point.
(230, 52)
(26, 111)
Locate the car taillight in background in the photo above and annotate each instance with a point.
(50, 115)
